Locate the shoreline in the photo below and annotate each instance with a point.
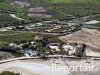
(46, 64)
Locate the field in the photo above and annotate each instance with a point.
(9, 37)
(74, 1)
(85, 36)
(59, 9)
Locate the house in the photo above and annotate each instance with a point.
(20, 4)
(69, 48)
(39, 24)
(37, 10)
(71, 24)
(34, 44)
(92, 22)
(9, 28)
(15, 46)
(54, 47)
(3, 29)
(12, 45)
(74, 48)
(29, 28)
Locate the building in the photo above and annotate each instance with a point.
(54, 47)
(74, 48)
(69, 48)
(93, 22)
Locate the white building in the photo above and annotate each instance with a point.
(92, 22)
(70, 49)
(54, 47)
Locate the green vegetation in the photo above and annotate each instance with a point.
(3, 43)
(19, 37)
(4, 18)
(9, 73)
(25, 36)
(6, 6)
(8, 32)
(58, 8)
(79, 6)
(62, 8)
(74, 1)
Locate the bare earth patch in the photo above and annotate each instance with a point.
(5, 55)
(90, 37)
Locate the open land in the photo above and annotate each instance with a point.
(39, 67)
(90, 37)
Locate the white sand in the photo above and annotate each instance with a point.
(29, 67)
(41, 67)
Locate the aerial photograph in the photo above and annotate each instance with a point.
(49, 37)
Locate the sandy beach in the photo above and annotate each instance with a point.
(32, 67)
(43, 67)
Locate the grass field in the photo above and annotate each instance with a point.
(27, 36)
(57, 1)
(60, 10)
(74, 1)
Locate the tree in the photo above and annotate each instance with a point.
(9, 73)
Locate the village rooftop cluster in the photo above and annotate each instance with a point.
(41, 47)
